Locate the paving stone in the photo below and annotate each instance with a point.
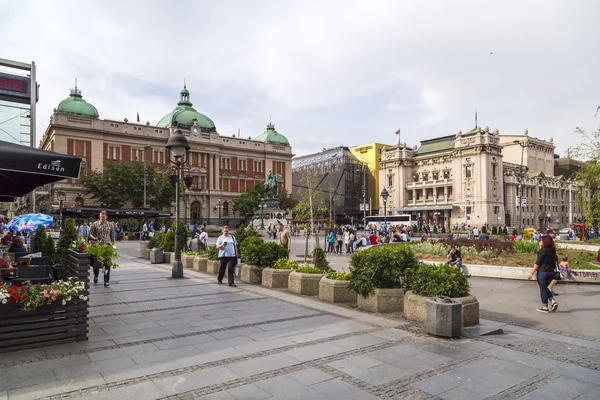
(520, 357)
(93, 368)
(356, 342)
(577, 372)
(185, 341)
(255, 347)
(160, 356)
(286, 388)
(195, 380)
(53, 388)
(501, 380)
(474, 345)
(121, 352)
(140, 391)
(309, 376)
(262, 364)
(460, 393)
(18, 379)
(392, 334)
(41, 366)
(216, 396)
(561, 388)
(315, 351)
(337, 389)
(244, 332)
(371, 373)
(224, 344)
(248, 392)
(405, 363)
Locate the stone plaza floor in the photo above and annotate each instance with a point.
(152, 337)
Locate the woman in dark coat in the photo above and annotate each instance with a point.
(544, 265)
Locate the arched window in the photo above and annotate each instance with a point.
(195, 212)
(79, 201)
(226, 209)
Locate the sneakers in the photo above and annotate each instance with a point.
(106, 284)
(554, 306)
(95, 279)
(554, 293)
(543, 310)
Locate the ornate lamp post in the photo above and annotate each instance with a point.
(262, 206)
(178, 146)
(61, 197)
(384, 195)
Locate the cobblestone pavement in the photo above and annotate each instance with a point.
(152, 337)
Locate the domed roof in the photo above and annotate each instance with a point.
(76, 105)
(184, 115)
(272, 136)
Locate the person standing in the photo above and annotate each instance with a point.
(284, 239)
(347, 240)
(544, 265)
(228, 252)
(476, 233)
(351, 240)
(145, 231)
(340, 242)
(203, 238)
(331, 238)
(101, 233)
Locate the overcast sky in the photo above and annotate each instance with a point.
(329, 73)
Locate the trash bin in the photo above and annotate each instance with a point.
(156, 256)
(443, 317)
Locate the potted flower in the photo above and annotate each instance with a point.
(335, 288)
(103, 255)
(277, 276)
(256, 255)
(305, 279)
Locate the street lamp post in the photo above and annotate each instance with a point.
(523, 145)
(61, 197)
(178, 146)
(262, 206)
(220, 206)
(384, 195)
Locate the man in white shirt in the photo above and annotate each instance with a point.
(476, 233)
(145, 231)
(403, 237)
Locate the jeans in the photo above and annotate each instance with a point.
(351, 247)
(106, 275)
(330, 247)
(339, 247)
(457, 265)
(544, 279)
(229, 263)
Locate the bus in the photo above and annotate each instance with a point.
(378, 220)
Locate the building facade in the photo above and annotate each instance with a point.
(474, 178)
(221, 167)
(370, 155)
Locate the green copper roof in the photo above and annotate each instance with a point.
(185, 116)
(76, 105)
(439, 144)
(272, 136)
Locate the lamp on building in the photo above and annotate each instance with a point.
(384, 195)
(61, 196)
(178, 147)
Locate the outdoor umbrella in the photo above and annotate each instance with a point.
(23, 168)
(29, 222)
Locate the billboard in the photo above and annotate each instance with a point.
(15, 88)
(523, 201)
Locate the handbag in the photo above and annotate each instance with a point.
(557, 275)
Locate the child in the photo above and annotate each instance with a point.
(563, 267)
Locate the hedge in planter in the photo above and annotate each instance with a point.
(335, 288)
(255, 251)
(437, 280)
(277, 276)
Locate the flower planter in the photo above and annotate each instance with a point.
(147, 255)
(251, 274)
(306, 284)
(60, 273)
(167, 257)
(275, 278)
(383, 301)
(336, 291)
(212, 267)
(199, 264)
(414, 308)
(188, 261)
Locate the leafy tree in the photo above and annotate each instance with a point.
(310, 206)
(286, 200)
(494, 230)
(68, 235)
(119, 184)
(38, 239)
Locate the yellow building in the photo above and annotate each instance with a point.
(370, 154)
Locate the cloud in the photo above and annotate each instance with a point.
(328, 72)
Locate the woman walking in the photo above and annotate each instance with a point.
(330, 239)
(227, 246)
(340, 242)
(544, 266)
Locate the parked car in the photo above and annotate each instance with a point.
(563, 234)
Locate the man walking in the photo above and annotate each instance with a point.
(101, 233)
(284, 239)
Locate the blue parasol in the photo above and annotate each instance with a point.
(29, 222)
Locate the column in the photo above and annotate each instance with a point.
(218, 172)
(414, 196)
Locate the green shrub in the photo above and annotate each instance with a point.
(438, 280)
(255, 251)
(484, 229)
(168, 244)
(443, 229)
(68, 235)
(212, 253)
(494, 230)
(435, 229)
(38, 239)
(337, 276)
(319, 259)
(380, 267)
(249, 249)
(527, 246)
(271, 252)
(157, 241)
(515, 232)
(285, 263)
(242, 232)
(308, 269)
(48, 247)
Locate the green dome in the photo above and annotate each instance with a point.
(272, 136)
(76, 105)
(185, 116)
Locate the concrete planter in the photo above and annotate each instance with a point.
(414, 308)
(143, 247)
(156, 256)
(251, 274)
(306, 284)
(147, 255)
(188, 261)
(383, 301)
(335, 291)
(167, 257)
(275, 278)
(212, 267)
(199, 264)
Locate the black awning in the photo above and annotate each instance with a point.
(23, 168)
(91, 211)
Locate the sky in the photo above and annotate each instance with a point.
(327, 72)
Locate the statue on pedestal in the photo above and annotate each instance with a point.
(272, 183)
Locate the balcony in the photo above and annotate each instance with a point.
(424, 184)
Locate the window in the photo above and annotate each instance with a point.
(278, 168)
(137, 155)
(435, 176)
(242, 186)
(195, 182)
(195, 212)
(225, 184)
(258, 166)
(496, 209)
(114, 152)
(242, 165)
(468, 210)
(446, 174)
(390, 181)
(425, 177)
(194, 160)
(79, 201)
(158, 157)
(202, 182)
(226, 209)
(468, 172)
(494, 171)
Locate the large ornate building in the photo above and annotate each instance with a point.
(221, 166)
(473, 178)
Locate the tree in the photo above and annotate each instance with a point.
(310, 194)
(286, 200)
(119, 183)
(247, 203)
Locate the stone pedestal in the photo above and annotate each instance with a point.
(306, 284)
(275, 278)
(199, 264)
(143, 247)
(156, 256)
(443, 317)
(383, 301)
(414, 308)
(251, 274)
(335, 291)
